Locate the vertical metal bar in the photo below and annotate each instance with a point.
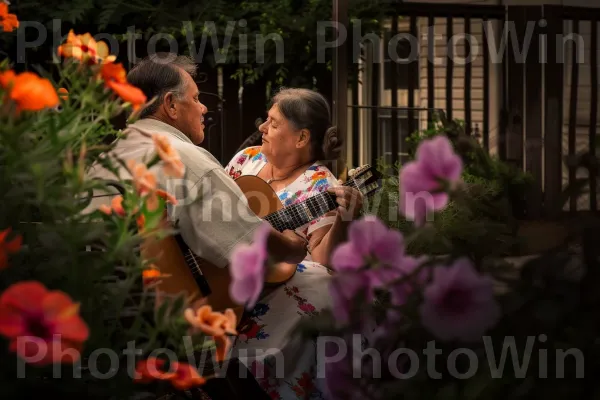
(374, 84)
(340, 71)
(468, 80)
(355, 119)
(533, 122)
(412, 77)
(554, 83)
(394, 89)
(593, 113)
(573, 113)
(430, 69)
(486, 87)
(449, 66)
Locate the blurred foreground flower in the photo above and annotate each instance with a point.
(215, 324)
(370, 259)
(459, 303)
(84, 48)
(44, 326)
(115, 78)
(173, 165)
(181, 375)
(8, 21)
(422, 181)
(28, 91)
(8, 246)
(248, 268)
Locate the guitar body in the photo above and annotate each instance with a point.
(173, 258)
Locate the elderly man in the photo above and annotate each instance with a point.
(212, 215)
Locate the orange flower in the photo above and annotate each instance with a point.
(215, 324)
(173, 165)
(167, 196)
(6, 78)
(141, 222)
(181, 375)
(186, 376)
(151, 369)
(116, 205)
(43, 326)
(84, 48)
(144, 180)
(63, 93)
(115, 78)
(29, 91)
(145, 183)
(7, 247)
(152, 275)
(9, 22)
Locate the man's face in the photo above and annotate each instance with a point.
(190, 112)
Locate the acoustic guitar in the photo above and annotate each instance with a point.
(198, 279)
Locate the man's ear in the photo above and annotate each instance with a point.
(303, 139)
(169, 105)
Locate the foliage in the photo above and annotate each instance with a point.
(89, 256)
(543, 342)
(224, 32)
(482, 221)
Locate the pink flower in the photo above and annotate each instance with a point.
(400, 291)
(369, 260)
(459, 303)
(435, 163)
(344, 290)
(247, 269)
(370, 241)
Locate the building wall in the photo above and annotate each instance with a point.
(584, 88)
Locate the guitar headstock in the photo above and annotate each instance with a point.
(365, 178)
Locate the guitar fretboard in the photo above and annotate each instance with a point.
(299, 214)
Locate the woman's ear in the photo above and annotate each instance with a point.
(303, 139)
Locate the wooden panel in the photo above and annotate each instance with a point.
(533, 110)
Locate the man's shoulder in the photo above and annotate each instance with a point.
(197, 158)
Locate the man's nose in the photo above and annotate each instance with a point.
(204, 109)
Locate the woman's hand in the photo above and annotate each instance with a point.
(350, 201)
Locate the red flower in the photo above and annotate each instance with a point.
(181, 375)
(44, 326)
(8, 247)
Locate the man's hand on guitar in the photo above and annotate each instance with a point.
(350, 200)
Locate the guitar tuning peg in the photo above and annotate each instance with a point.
(351, 172)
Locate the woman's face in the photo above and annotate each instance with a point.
(280, 139)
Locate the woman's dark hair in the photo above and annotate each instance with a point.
(307, 109)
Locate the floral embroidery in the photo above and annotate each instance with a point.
(304, 385)
(250, 329)
(300, 268)
(303, 305)
(252, 151)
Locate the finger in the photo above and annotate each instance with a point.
(342, 202)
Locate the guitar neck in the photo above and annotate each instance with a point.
(299, 214)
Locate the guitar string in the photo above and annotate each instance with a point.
(297, 212)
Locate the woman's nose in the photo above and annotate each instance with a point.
(263, 127)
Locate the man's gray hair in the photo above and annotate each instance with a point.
(158, 74)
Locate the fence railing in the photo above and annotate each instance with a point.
(530, 103)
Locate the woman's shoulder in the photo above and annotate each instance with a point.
(241, 158)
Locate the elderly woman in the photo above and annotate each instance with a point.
(297, 139)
